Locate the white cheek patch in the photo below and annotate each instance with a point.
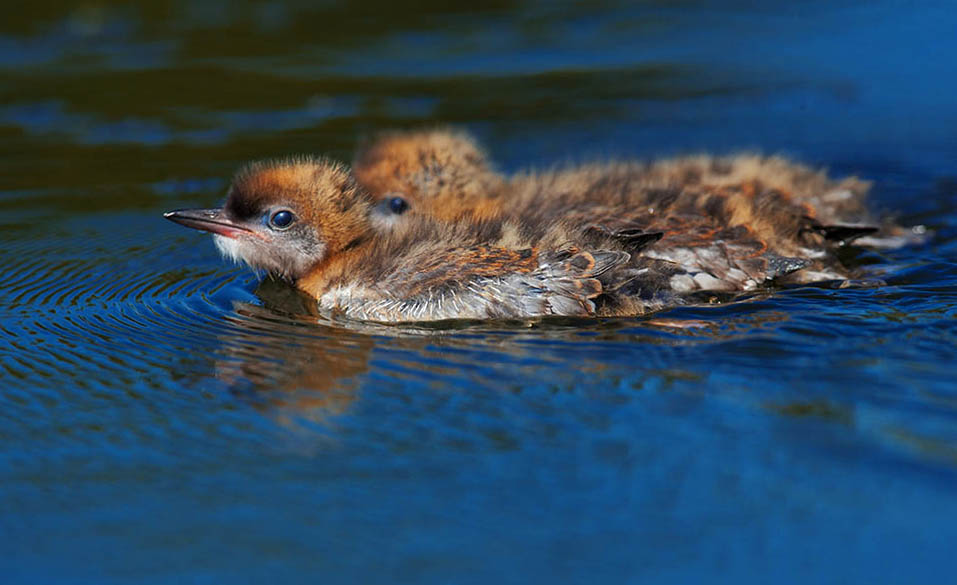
(240, 251)
(228, 247)
(286, 260)
(243, 251)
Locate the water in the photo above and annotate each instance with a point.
(165, 418)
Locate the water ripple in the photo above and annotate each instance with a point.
(147, 320)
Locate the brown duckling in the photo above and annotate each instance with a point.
(445, 174)
(308, 221)
(786, 208)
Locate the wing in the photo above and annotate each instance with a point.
(483, 282)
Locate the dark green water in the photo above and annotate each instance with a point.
(165, 419)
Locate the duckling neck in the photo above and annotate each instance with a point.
(336, 267)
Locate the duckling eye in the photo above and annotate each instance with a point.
(398, 205)
(281, 219)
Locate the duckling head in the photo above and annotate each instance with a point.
(287, 216)
(441, 174)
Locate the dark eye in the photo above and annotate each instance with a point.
(281, 219)
(398, 205)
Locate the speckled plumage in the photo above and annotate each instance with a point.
(724, 223)
(596, 240)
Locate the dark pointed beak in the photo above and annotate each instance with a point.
(208, 220)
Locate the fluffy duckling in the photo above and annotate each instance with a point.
(308, 221)
(443, 173)
(786, 208)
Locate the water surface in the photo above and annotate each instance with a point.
(164, 417)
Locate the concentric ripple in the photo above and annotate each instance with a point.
(166, 418)
(133, 304)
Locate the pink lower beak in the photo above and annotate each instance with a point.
(209, 220)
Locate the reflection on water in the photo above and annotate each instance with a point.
(166, 417)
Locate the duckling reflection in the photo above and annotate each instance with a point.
(288, 360)
(281, 359)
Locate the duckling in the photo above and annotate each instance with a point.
(445, 174)
(308, 221)
(787, 208)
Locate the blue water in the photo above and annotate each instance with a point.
(164, 418)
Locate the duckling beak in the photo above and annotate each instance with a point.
(208, 220)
